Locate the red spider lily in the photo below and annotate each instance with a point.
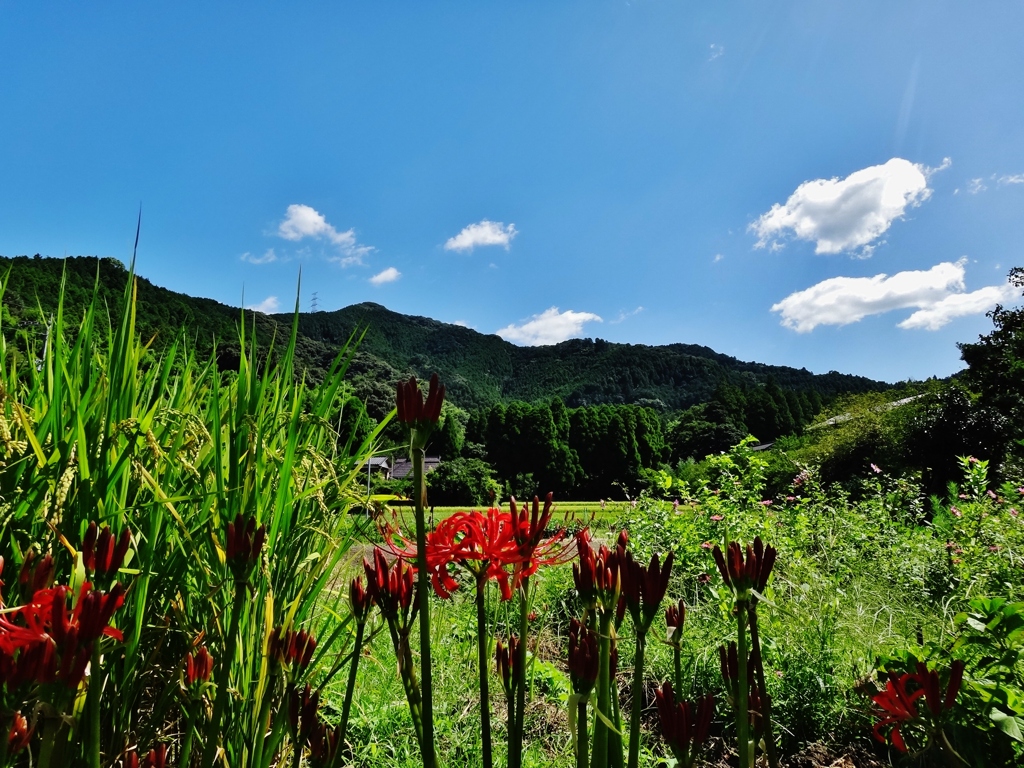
(198, 666)
(392, 588)
(583, 659)
(644, 588)
(896, 704)
(290, 647)
(157, 757)
(896, 707)
(505, 658)
(19, 735)
(743, 576)
(685, 726)
(412, 409)
(675, 617)
(244, 542)
(100, 553)
(360, 600)
(131, 759)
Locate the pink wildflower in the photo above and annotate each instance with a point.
(706, 545)
(956, 512)
(716, 518)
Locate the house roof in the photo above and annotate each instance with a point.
(403, 467)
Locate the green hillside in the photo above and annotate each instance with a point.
(479, 369)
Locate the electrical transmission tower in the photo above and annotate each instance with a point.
(313, 305)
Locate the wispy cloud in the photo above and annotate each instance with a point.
(624, 315)
(388, 275)
(480, 234)
(938, 294)
(549, 327)
(847, 215)
(267, 257)
(302, 221)
(974, 186)
(1013, 178)
(716, 51)
(718, 257)
(268, 306)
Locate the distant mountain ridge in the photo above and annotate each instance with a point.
(478, 369)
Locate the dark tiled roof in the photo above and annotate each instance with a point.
(403, 467)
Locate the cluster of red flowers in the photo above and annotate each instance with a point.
(244, 543)
(504, 546)
(686, 726)
(896, 705)
(100, 553)
(156, 758)
(198, 666)
(42, 642)
(293, 648)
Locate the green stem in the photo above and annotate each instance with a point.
(423, 587)
(515, 745)
(677, 665)
(262, 724)
(92, 705)
(637, 699)
(351, 687)
(214, 729)
(581, 734)
(742, 687)
(615, 736)
(186, 745)
(766, 702)
(482, 658)
(49, 748)
(599, 757)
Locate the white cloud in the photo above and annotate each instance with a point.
(389, 275)
(716, 51)
(1014, 178)
(461, 324)
(266, 258)
(549, 327)
(847, 214)
(937, 294)
(302, 221)
(623, 315)
(268, 306)
(483, 233)
(974, 186)
(958, 305)
(718, 258)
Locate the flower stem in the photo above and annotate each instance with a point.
(766, 702)
(581, 734)
(742, 688)
(637, 699)
(515, 743)
(423, 587)
(599, 757)
(92, 703)
(482, 658)
(350, 688)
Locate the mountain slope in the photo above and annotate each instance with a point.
(479, 369)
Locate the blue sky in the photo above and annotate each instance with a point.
(829, 185)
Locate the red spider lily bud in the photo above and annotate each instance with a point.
(391, 588)
(157, 758)
(675, 617)
(743, 576)
(290, 647)
(324, 743)
(929, 682)
(100, 554)
(411, 408)
(96, 609)
(361, 601)
(34, 575)
(622, 543)
(644, 588)
(131, 759)
(620, 611)
(244, 542)
(685, 726)
(583, 660)
(19, 735)
(302, 713)
(505, 661)
(198, 666)
(729, 659)
(584, 572)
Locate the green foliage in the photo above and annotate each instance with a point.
(463, 482)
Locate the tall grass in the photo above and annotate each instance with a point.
(97, 426)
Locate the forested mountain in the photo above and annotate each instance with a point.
(479, 369)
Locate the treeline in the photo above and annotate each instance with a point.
(600, 451)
